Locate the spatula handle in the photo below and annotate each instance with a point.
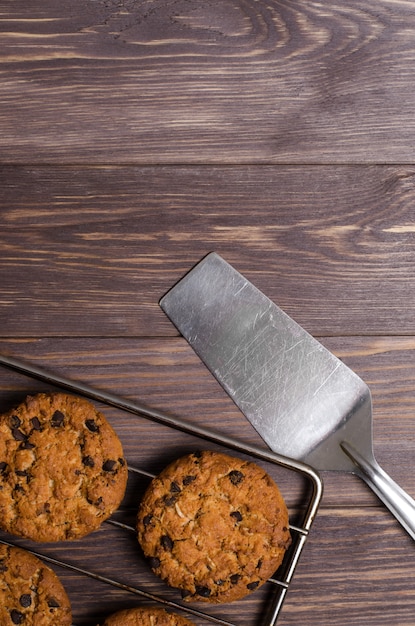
(394, 497)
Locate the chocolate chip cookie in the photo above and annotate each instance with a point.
(31, 594)
(213, 526)
(62, 469)
(146, 617)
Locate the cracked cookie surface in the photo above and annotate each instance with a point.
(146, 616)
(214, 526)
(62, 469)
(31, 593)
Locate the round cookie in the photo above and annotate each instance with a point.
(146, 617)
(213, 526)
(62, 469)
(31, 594)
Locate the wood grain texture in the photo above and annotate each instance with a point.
(345, 575)
(235, 81)
(360, 564)
(136, 137)
(90, 251)
(165, 374)
(357, 558)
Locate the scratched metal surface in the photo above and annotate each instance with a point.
(297, 394)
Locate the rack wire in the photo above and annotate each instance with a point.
(280, 582)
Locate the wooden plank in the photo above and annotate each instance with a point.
(194, 82)
(357, 560)
(356, 565)
(89, 251)
(166, 375)
(355, 570)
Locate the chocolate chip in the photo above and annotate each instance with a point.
(15, 421)
(109, 466)
(18, 435)
(166, 542)
(92, 426)
(259, 564)
(237, 516)
(252, 586)
(147, 519)
(188, 479)
(154, 562)
(174, 487)
(23, 474)
(88, 461)
(3, 566)
(36, 423)
(26, 445)
(170, 500)
(121, 461)
(235, 477)
(16, 616)
(235, 578)
(46, 507)
(53, 603)
(3, 467)
(219, 582)
(97, 502)
(57, 419)
(203, 592)
(25, 600)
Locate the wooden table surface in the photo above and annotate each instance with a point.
(136, 137)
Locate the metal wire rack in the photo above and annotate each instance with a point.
(279, 583)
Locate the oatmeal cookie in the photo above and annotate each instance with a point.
(31, 593)
(214, 526)
(146, 617)
(62, 470)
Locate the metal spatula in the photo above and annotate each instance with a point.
(303, 401)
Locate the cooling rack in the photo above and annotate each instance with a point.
(279, 583)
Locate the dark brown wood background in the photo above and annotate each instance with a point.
(137, 136)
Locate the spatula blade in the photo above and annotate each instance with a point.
(301, 399)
